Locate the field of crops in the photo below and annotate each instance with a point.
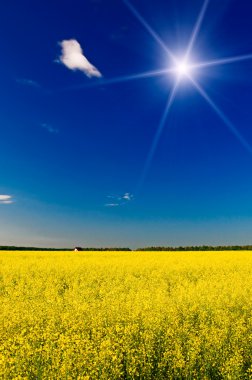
(126, 315)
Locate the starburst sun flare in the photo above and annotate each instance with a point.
(181, 69)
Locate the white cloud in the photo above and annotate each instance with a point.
(119, 200)
(5, 199)
(73, 58)
(127, 197)
(49, 128)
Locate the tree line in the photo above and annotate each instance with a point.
(15, 248)
(200, 248)
(154, 248)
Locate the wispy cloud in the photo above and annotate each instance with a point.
(49, 128)
(28, 82)
(73, 58)
(119, 200)
(127, 197)
(6, 199)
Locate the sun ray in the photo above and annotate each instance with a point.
(157, 135)
(222, 116)
(222, 61)
(149, 29)
(196, 28)
(126, 78)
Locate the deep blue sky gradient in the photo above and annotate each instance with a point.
(71, 144)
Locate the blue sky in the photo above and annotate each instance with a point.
(91, 158)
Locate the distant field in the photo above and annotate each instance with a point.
(126, 315)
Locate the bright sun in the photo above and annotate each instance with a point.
(182, 69)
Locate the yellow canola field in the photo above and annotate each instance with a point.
(126, 315)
